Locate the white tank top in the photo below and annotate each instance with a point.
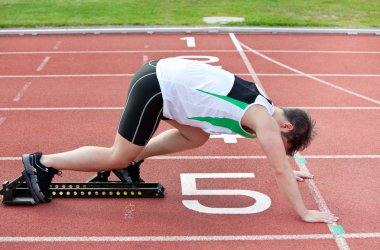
(196, 94)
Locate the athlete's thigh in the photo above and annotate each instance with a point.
(192, 133)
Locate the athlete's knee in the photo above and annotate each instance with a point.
(120, 158)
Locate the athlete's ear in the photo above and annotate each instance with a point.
(286, 126)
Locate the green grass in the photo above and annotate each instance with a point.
(339, 13)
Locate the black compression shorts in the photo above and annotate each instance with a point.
(143, 109)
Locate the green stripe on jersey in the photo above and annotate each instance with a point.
(231, 124)
(228, 123)
(233, 101)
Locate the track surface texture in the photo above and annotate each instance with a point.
(60, 92)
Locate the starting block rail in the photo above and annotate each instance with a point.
(17, 192)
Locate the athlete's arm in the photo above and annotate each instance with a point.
(269, 136)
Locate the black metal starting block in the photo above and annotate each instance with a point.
(17, 192)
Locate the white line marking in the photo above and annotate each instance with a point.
(61, 108)
(247, 63)
(207, 29)
(145, 59)
(2, 120)
(21, 93)
(339, 108)
(236, 157)
(114, 52)
(118, 108)
(322, 205)
(320, 51)
(248, 157)
(56, 46)
(43, 63)
(182, 51)
(327, 75)
(311, 77)
(239, 74)
(185, 238)
(190, 41)
(227, 138)
(79, 75)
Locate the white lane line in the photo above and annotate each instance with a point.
(321, 51)
(249, 157)
(2, 120)
(79, 75)
(145, 59)
(119, 108)
(61, 108)
(186, 238)
(239, 74)
(326, 75)
(322, 205)
(181, 51)
(247, 63)
(21, 93)
(57, 45)
(340, 108)
(311, 77)
(43, 63)
(115, 52)
(235, 157)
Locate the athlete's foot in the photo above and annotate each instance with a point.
(130, 174)
(38, 177)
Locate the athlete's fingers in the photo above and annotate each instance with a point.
(304, 175)
(330, 218)
(299, 179)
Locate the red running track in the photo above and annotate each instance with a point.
(62, 92)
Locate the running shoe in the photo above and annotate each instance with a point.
(38, 177)
(130, 174)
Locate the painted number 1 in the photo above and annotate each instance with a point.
(188, 181)
(190, 41)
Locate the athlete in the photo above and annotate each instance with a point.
(197, 99)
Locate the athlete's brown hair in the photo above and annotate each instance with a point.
(303, 129)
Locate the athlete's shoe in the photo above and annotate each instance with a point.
(130, 174)
(38, 177)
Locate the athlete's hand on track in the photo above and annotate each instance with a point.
(318, 216)
(302, 175)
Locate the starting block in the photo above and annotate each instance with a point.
(17, 192)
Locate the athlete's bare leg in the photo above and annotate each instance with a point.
(94, 159)
(181, 138)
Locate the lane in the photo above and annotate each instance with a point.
(350, 188)
(58, 131)
(343, 132)
(368, 86)
(168, 216)
(112, 42)
(311, 42)
(46, 130)
(286, 245)
(303, 92)
(313, 63)
(106, 63)
(66, 92)
(346, 132)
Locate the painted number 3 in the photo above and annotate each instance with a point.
(189, 187)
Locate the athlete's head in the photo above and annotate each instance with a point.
(301, 132)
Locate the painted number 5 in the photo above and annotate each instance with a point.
(189, 187)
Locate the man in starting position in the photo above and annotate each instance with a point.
(197, 99)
